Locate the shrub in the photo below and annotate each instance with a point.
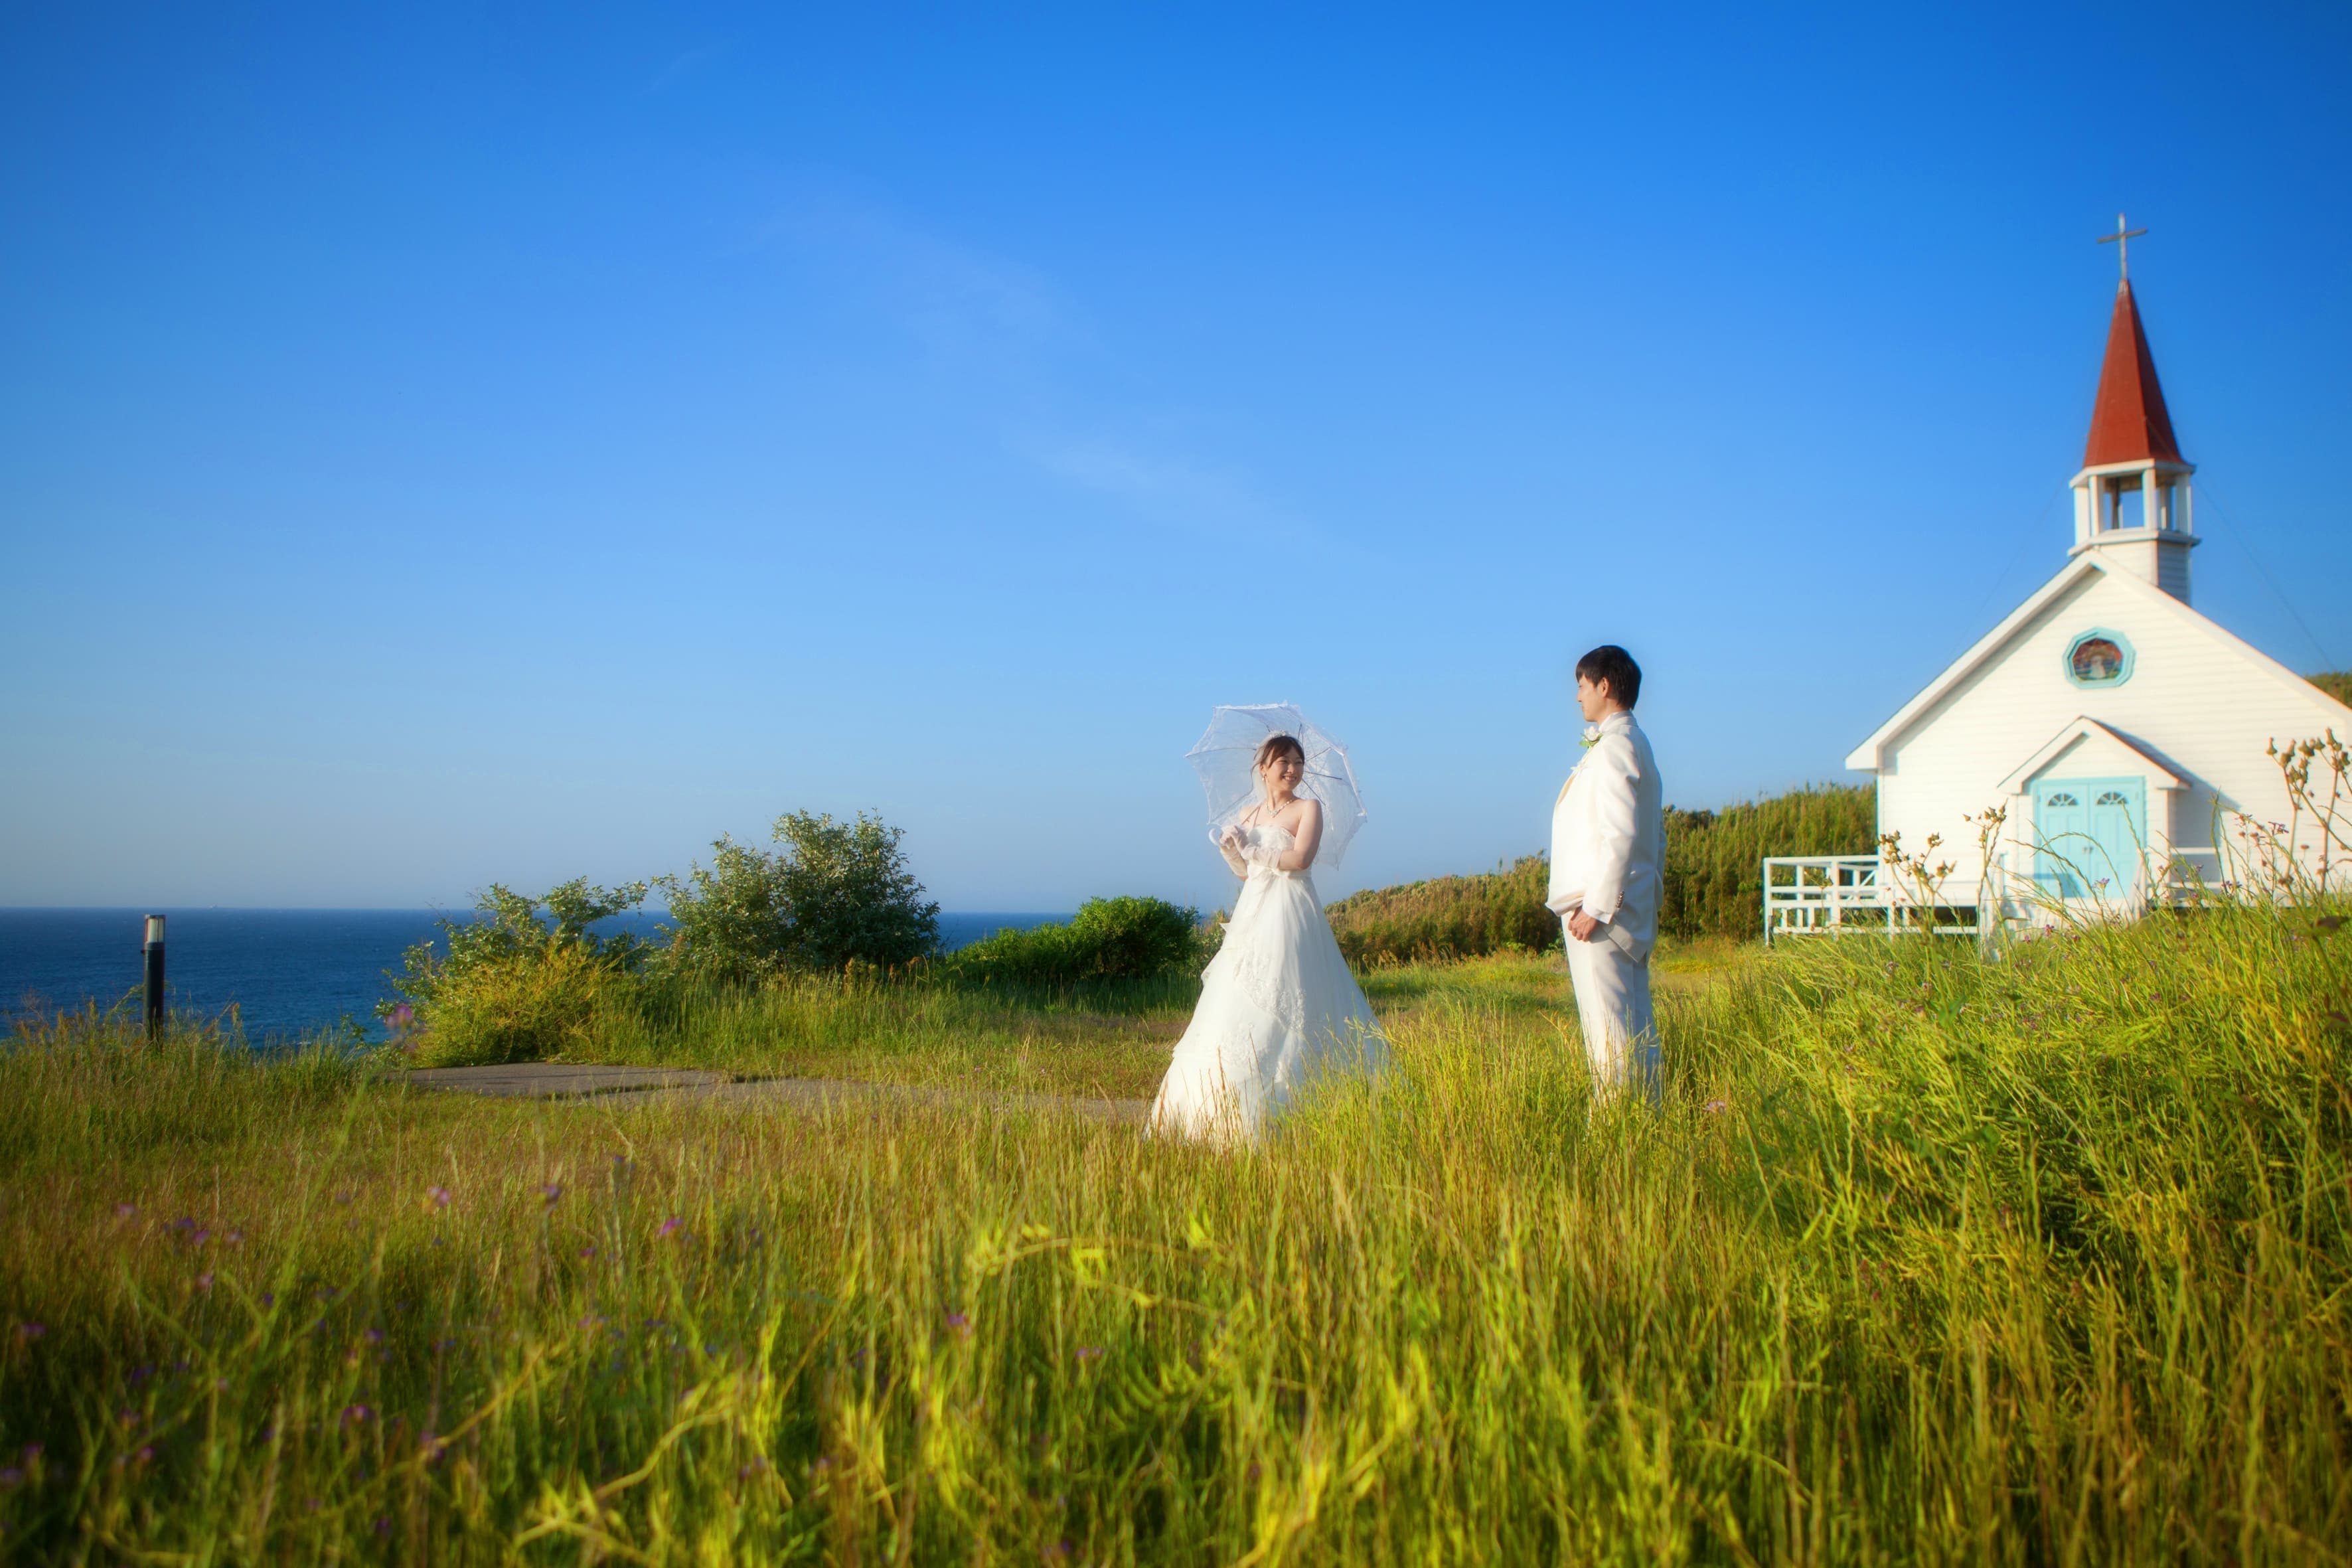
(731, 922)
(2337, 683)
(522, 1006)
(837, 893)
(1449, 917)
(514, 932)
(1109, 939)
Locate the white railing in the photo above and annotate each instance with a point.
(1809, 895)
(1826, 895)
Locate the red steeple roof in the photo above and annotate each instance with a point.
(2129, 423)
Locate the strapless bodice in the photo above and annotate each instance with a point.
(1275, 837)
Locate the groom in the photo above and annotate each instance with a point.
(1608, 865)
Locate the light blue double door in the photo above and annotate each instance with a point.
(2090, 836)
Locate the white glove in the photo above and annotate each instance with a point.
(1262, 854)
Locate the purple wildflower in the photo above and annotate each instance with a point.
(552, 1191)
(1716, 1107)
(354, 1413)
(124, 1211)
(205, 1280)
(670, 1226)
(28, 1332)
(437, 1196)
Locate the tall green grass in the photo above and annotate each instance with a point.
(1922, 1258)
(1714, 882)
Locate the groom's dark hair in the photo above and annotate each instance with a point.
(1614, 665)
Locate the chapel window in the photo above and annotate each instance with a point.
(2099, 659)
(2063, 799)
(2113, 797)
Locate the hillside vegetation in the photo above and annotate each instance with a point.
(1924, 1258)
(1714, 882)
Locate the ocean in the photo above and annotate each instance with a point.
(288, 972)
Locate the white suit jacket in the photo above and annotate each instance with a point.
(1608, 838)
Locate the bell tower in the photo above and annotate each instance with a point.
(2132, 499)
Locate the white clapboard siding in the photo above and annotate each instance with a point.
(2197, 710)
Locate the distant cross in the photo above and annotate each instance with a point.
(2121, 239)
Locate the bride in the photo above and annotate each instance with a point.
(1279, 1006)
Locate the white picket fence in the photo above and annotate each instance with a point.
(1831, 895)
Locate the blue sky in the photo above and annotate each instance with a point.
(504, 444)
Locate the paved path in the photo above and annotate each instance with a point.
(564, 1080)
(561, 1080)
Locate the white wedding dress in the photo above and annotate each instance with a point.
(1278, 1010)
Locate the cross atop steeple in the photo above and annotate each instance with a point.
(2121, 239)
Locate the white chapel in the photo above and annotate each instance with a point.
(2123, 732)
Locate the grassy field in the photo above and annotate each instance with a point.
(1922, 1259)
(1096, 1040)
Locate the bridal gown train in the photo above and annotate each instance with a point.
(1279, 1009)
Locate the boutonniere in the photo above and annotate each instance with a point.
(1592, 737)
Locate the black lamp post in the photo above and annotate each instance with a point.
(154, 953)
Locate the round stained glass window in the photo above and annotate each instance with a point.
(2099, 658)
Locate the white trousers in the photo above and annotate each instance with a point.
(1612, 1003)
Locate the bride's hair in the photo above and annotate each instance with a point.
(1275, 746)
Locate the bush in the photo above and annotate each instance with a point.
(1449, 917)
(1109, 939)
(486, 1002)
(838, 893)
(733, 922)
(525, 1006)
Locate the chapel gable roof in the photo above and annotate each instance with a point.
(2082, 727)
(2129, 423)
(1871, 754)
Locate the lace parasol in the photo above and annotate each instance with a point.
(1225, 752)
